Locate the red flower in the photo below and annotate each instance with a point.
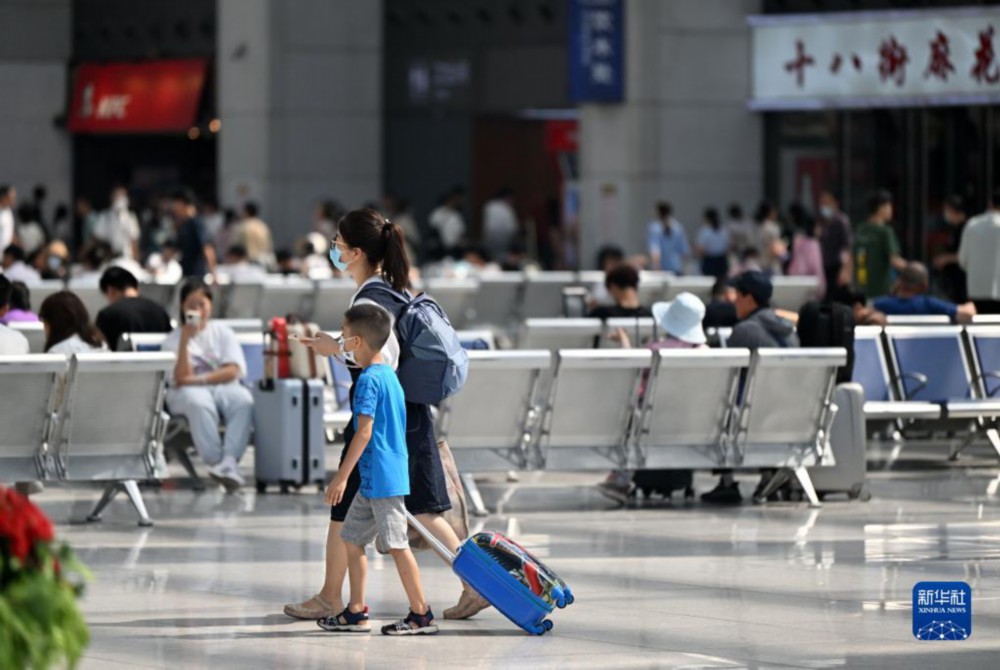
(22, 524)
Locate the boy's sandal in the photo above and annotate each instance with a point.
(347, 622)
(413, 624)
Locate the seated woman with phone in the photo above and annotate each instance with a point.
(205, 386)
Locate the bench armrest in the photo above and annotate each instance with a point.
(918, 377)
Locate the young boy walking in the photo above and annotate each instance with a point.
(379, 449)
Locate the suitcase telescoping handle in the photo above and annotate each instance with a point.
(433, 541)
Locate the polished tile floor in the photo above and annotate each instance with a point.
(780, 586)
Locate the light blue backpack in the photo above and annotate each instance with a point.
(432, 364)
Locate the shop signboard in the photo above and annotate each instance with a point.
(876, 59)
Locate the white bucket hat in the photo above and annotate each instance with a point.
(681, 318)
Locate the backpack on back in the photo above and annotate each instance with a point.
(829, 325)
(432, 364)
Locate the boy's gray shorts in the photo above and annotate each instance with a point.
(368, 517)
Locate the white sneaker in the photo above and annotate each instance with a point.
(227, 474)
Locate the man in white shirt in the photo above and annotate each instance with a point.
(16, 269)
(12, 343)
(499, 223)
(8, 196)
(447, 220)
(979, 256)
(118, 226)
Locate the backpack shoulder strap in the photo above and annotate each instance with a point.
(377, 292)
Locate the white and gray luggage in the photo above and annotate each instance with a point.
(847, 441)
(290, 441)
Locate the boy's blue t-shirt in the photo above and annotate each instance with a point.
(383, 467)
(915, 306)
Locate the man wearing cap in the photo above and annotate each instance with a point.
(759, 327)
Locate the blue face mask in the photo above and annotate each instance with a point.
(335, 259)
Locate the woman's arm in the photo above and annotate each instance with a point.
(182, 368)
(229, 372)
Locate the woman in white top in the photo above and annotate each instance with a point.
(205, 385)
(371, 250)
(68, 329)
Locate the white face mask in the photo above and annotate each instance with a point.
(120, 203)
(348, 355)
(826, 211)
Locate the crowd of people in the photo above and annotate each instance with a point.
(860, 264)
(166, 239)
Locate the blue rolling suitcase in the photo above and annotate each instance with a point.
(506, 574)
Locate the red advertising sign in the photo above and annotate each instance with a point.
(561, 136)
(154, 97)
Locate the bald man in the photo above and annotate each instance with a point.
(909, 297)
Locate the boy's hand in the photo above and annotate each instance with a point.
(335, 491)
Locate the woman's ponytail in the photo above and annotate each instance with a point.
(382, 243)
(395, 264)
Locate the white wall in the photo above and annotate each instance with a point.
(301, 107)
(34, 50)
(683, 134)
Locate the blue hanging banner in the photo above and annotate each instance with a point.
(597, 50)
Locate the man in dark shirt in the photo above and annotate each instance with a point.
(622, 283)
(759, 327)
(128, 312)
(835, 236)
(953, 279)
(193, 240)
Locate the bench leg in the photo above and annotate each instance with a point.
(135, 497)
(196, 483)
(994, 437)
(473, 495)
(776, 481)
(110, 491)
(807, 486)
(966, 442)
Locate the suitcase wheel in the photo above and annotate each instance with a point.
(569, 598)
(286, 487)
(261, 486)
(547, 624)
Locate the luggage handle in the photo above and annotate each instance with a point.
(431, 540)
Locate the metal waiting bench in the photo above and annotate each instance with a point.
(110, 427)
(34, 331)
(917, 320)
(92, 417)
(490, 424)
(330, 300)
(883, 406)
(784, 417)
(542, 296)
(933, 365)
(591, 408)
(688, 406)
(559, 333)
(27, 408)
(457, 297)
